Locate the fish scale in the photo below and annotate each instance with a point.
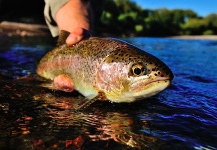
(116, 69)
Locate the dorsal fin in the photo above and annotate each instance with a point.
(62, 37)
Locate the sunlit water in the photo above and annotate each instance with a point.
(182, 117)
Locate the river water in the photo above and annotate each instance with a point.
(182, 117)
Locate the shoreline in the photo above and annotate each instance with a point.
(194, 37)
(24, 29)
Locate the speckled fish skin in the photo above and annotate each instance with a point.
(119, 70)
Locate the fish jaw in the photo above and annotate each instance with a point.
(146, 87)
(141, 91)
(114, 80)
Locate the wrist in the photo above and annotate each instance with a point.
(74, 14)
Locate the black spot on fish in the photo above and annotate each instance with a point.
(121, 55)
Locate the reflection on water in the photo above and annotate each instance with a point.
(41, 118)
(182, 117)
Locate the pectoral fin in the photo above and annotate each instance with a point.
(85, 104)
(64, 83)
(101, 96)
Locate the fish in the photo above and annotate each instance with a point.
(105, 68)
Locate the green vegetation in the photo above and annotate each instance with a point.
(125, 18)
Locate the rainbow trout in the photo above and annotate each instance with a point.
(106, 69)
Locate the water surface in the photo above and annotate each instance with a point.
(182, 117)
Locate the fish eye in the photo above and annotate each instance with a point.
(138, 69)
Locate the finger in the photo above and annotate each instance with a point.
(77, 35)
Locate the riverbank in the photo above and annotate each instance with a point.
(195, 37)
(24, 29)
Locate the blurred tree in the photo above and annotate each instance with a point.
(195, 26)
(108, 20)
(212, 20)
(208, 32)
(160, 23)
(190, 14)
(163, 22)
(123, 17)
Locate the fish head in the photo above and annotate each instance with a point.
(128, 74)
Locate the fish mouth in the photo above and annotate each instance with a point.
(157, 84)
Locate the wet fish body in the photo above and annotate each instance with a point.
(113, 68)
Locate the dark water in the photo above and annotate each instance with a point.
(182, 117)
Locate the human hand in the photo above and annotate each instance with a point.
(75, 17)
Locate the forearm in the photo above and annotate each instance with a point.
(67, 15)
(78, 15)
(50, 10)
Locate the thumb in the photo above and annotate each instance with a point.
(77, 35)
